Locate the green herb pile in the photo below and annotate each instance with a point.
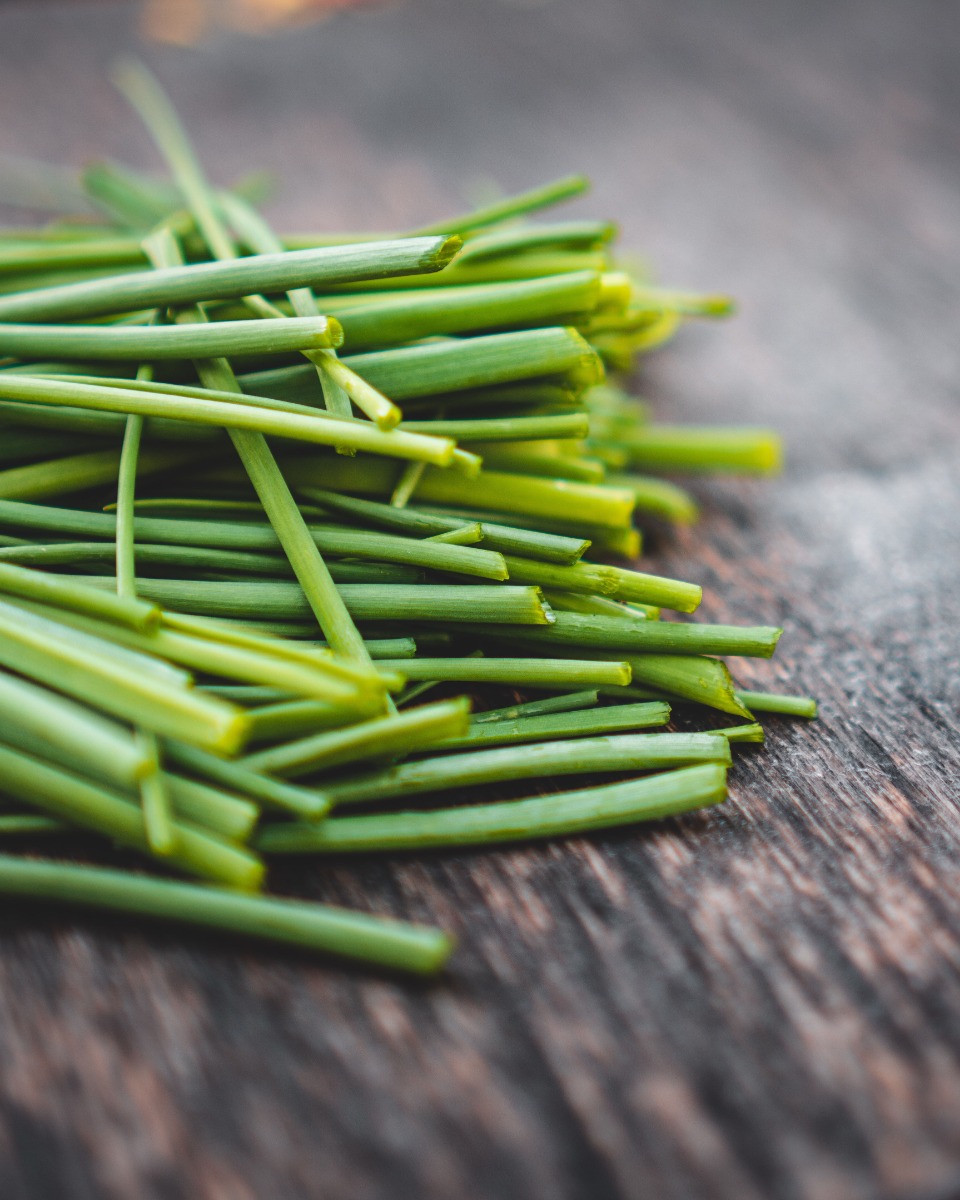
(259, 496)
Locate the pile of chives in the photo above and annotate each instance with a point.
(260, 496)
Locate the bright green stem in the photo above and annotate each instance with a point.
(772, 702)
(619, 718)
(64, 593)
(514, 206)
(300, 802)
(159, 342)
(505, 429)
(741, 733)
(571, 702)
(155, 801)
(314, 927)
(492, 491)
(703, 680)
(277, 599)
(243, 416)
(45, 651)
(703, 448)
(178, 286)
(653, 637)
(89, 740)
(451, 365)
(653, 798)
(402, 733)
(658, 497)
(545, 547)
(76, 472)
(579, 756)
(93, 807)
(518, 672)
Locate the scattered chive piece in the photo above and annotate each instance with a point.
(315, 927)
(771, 702)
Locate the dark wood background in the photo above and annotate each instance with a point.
(762, 1003)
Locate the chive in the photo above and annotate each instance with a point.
(102, 252)
(613, 582)
(365, 602)
(468, 535)
(523, 672)
(315, 927)
(653, 798)
(658, 497)
(496, 491)
(76, 472)
(741, 733)
(601, 606)
(653, 637)
(538, 708)
(155, 801)
(316, 677)
(408, 317)
(505, 429)
(703, 448)
(515, 206)
(62, 592)
(450, 366)
(704, 680)
(84, 737)
(504, 538)
(558, 235)
(30, 826)
(202, 559)
(581, 756)
(793, 706)
(94, 807)
(620, 718)
(383, 737)
(178, 286)
(321, 430)
(293, 718)
(36, 647)
(305, 804)
(158, 342)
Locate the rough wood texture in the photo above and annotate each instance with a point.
(762, 1003)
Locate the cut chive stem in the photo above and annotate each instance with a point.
(653, 798)
(580, 756)
(570, 702)
(314, 927)
(401, 733)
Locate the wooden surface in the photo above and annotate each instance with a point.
(762, 1003)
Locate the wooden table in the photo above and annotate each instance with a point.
(763, 1002)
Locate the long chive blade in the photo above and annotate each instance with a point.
(314, 927)
(581, 756)
(593, 722)
(665, 795)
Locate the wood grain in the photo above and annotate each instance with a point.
(762, 1003)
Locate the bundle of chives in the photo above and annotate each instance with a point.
(170, 673)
